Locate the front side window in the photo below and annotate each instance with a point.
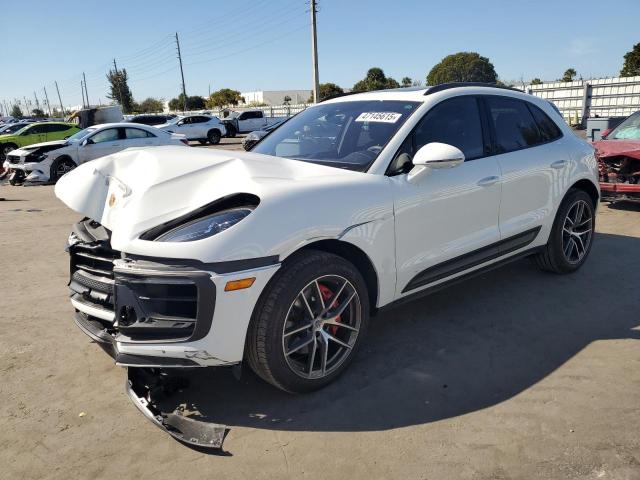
(627, 130)
(455, 122)
(348, 134)
(33, 130)
(108, 135)
(514, 125)
(133, 133)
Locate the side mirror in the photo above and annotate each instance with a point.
(435, 156)
(88, 141)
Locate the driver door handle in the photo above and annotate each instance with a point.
(487, 181)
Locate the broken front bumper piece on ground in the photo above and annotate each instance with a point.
(147, 387)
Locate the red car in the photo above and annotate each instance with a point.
(618, 156)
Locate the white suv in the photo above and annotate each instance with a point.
(203, 128)
(279, 256)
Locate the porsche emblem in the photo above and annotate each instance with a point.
(112, 200)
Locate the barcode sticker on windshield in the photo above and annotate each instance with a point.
(384, 117)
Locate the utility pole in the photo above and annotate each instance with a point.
(314, 52)
(37, 102)
(59, 99)
(82, 92)
(26, 106)
(85, 90)
(47, 99)
(184, 90)
(118, 80)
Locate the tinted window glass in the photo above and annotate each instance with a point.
(548, 128)
(52, 127)
(456, 122)
(132, 133)
(36, 129)
(108, 135)
(514, 124)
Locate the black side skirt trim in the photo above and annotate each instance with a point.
(472, 259)
(461, 278)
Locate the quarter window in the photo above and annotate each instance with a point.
(456, 122)
(548, 128)
(514, 125)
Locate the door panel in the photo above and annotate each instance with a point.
(445, 215)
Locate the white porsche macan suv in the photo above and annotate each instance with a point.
(279, 256)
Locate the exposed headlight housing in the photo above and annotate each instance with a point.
(205, 227)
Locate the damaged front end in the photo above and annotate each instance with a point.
(119, 308)
(619, 169)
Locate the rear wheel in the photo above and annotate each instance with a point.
(59, 167)
(571, 235)
(309, 322)
(213, 136)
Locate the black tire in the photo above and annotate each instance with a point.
(265, 337)
(59, 167)
(231, 131)
(553, 258)
(16, 177)
(6, 148)
(213, 136)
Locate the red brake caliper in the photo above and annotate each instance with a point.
(326, 295)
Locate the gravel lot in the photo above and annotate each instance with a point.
(514, 374)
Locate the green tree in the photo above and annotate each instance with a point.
(327, 90)
(375, 80)
(150, 105)
(406, 82)
(119, 90)
(569, 75)
(631, 66)
(223, 98)
(462, 67)
(16, 112)
(536, 81)
(195, 102)
(37, 112)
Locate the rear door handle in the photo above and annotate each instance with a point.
(559, 164)
(485, 182)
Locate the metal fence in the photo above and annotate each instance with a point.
(269, 110)
(598, 97)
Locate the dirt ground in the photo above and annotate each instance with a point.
(512, 375)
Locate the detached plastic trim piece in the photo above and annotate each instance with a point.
(141, 384)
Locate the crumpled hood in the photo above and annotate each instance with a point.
(137, 189)
(614, 148)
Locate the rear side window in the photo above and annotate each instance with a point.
(52, 127)
(456, 122)
(132, 133)
(548, 128)
(514, 125)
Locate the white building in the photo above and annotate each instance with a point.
(276, 97)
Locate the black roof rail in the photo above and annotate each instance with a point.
(447, 86)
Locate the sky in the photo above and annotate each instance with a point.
(266, 44)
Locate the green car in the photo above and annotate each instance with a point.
(36, 133)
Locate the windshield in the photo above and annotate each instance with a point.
(77, 137)
(173, 121)
(627, 130)
(345, 134)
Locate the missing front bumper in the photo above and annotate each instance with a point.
(146, 387)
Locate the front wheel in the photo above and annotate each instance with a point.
(6, 148)
(571, 235)
(59, 167)
(16, 177)
(309, 322)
